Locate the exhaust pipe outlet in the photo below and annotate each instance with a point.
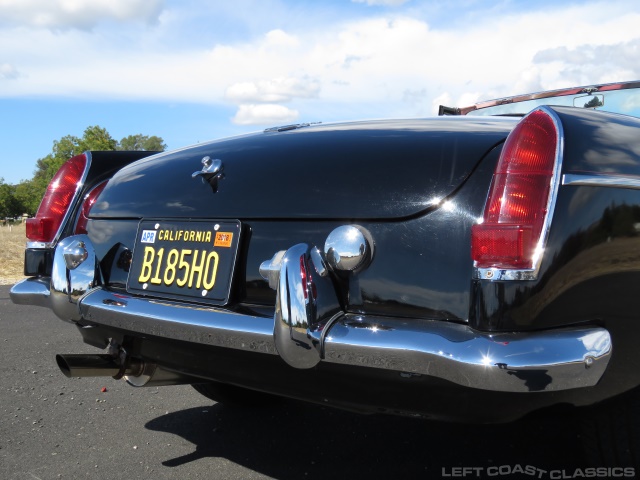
(96, 366)
(135, 372)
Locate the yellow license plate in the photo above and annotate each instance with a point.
(184, 259)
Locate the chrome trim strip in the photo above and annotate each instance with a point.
(31, 291)
(511, 362)
(495, 274)
(594, 180)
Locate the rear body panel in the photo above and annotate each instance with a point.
(369, 170)
(418, 270)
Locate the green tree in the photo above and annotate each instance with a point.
(28, 194)
(9, 205)
(66, 147)
(28, 199)
(94, 138)
(593, 103)
(142, 142)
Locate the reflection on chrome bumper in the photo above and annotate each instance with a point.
(31, 291)
(514, 362)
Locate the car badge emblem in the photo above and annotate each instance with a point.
(211, 173)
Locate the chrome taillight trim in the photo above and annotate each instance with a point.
(495, 274)
(72, 208)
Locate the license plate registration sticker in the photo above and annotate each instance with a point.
(185, 259)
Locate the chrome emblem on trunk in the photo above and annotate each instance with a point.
(212, 171)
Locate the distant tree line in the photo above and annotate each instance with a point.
(25, 197)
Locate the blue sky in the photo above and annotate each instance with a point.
(196, 70)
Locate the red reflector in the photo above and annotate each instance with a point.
(89, 200)
(308, 285)
(303, 276)
(56, 201)
(517, 206)
(36, 228)
(501, 245)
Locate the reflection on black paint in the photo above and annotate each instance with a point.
(534, 380)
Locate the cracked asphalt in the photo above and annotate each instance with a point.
(54, 427)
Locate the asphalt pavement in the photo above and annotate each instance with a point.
(54, 427)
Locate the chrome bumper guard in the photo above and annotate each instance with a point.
(304, 329)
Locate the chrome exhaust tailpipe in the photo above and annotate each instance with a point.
(95, 366)
(135, 372)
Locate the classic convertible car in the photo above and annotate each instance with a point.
(475, 266)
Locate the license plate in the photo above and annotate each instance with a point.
(185, 259)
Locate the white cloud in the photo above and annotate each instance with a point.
(281, 38)
(8, 72)
(80, 14)
(275, 90)
(264, 114)
(393, 64)
(614, 62)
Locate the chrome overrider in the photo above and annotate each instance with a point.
(313, 327)
(75, 271)
(306, 305)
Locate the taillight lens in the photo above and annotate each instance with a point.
(89, 199)
(519, 197)
(57, 201)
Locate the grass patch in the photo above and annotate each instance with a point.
(12, 239)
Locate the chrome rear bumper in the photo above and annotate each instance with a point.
(512, 362)
(32, 291)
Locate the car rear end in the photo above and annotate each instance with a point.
(359, 265)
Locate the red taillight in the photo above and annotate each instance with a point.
(303, 276)
(517, 207)
(56, 201)
(89, 199)
(308, 285)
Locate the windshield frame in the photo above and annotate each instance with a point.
(591, 89)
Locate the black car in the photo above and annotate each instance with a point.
(475, 266)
